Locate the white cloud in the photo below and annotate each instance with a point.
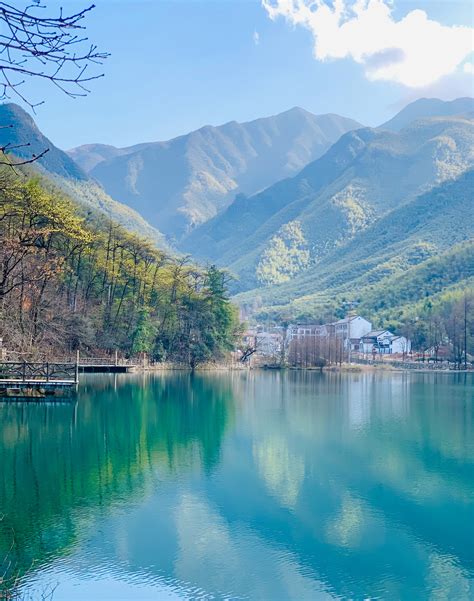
(414, 51)
(256, 38)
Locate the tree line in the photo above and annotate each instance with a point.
(442, 325)
(70, 280)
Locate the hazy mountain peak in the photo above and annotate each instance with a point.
(424, 108)
(297, 110)
(181, 183)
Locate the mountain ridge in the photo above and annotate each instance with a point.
(185, 181)
(26, 140)
(428, 107)
(367, 173)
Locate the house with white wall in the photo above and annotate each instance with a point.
(301, 331)
(353, 327)
(362, 338)
(383, 342)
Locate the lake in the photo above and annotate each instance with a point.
(260, 485)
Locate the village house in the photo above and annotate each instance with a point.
(300, 331)
(354, 327)
(383, 342)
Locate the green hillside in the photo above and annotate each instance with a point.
(389, 264)
(72, 279)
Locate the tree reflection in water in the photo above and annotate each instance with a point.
(250, 485)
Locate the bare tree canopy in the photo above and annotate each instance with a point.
(34, 44)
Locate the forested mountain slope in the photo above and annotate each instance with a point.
(181, 183)
(20, 134)
(271, 237)
(417, 250)
(73, 279)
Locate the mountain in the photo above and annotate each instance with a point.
(429, 107)
(268, 238)
(182, 183)
(88, 156)
(418, 249)
(20, 134)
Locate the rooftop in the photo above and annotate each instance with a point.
(346, 320)
(376, 333)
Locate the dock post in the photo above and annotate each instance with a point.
(47, 372)
(76, 373)
(23, 373)
(116, 357)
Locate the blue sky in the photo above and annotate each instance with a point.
(177, 65)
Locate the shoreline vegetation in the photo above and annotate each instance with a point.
(344, 367)
(71, 279)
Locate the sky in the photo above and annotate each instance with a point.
(176, 65)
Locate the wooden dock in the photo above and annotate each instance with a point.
(58, 378)
(105, 365)
(34, 381)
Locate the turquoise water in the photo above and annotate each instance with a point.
(242, 486)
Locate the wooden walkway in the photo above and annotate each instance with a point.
(105, 365)
(59, 378)
(23, 380)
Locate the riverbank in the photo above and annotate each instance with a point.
(344, 367)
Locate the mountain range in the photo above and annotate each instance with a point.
(365, 175)
(305, 210)
(179, 184)
(381, 210)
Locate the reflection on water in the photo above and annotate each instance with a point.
(243, 486)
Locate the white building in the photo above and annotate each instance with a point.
(352, 327)
(384, 342)
(300, 331)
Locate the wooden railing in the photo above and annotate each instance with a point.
(84, 361)
(48, 372)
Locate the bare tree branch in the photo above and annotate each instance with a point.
(35, 45)
(45, 47)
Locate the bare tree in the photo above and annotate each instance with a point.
(46, 47)
(37, 45)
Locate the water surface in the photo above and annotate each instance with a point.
(242, 486)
